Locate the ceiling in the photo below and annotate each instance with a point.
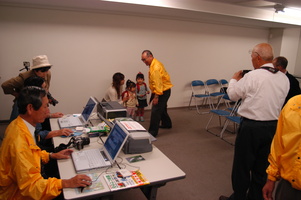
(262, 4)
(255, 13)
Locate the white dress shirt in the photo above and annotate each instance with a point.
(262, 93)
(31, 129)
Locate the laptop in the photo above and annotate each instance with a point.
(81, 120)
(102, 157)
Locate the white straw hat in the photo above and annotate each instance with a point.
(40, 61)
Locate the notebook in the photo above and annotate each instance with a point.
(101, 157)
(81, 120)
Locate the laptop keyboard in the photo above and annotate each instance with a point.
(95, 160)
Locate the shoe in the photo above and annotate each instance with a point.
(155, 134)
(165, 127)
(141, 119)
(137, 118)
(223, 198)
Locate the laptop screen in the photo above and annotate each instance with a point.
(89, 108)
(115, 141)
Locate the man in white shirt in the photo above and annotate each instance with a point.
(262, 92)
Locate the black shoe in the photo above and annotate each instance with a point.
(223, 198)
(165, 127)
(153, 134)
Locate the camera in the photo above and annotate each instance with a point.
(26, 65)
(77, 142)
(52, 100)
(245, 71)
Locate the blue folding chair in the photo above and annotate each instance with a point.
(220, 112)
(233, 117)
(198, 92)
(224, 84)
(214, 90)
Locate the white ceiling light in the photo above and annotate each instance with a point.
(293, 11)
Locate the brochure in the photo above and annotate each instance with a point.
(116, 182)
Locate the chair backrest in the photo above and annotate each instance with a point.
(225, 98)
(224, 85)
(223, 82)
(212, 82)
(197, 83)
(198, 87)
(235, 108)
(213, 86)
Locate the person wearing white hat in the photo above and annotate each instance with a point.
(40, 67)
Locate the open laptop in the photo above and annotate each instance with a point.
(101, 157)
(81, 120)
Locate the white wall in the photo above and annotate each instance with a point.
(86, 49)
(298, 62)
(290, 43)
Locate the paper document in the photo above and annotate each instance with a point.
(132, 126)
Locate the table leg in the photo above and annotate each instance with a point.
(150, 192)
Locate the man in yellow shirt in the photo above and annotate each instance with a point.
(160, 85)
(285, 155)
(20, 157)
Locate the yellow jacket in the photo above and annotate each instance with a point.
(20, 166)
(159, 80)
(285, 156)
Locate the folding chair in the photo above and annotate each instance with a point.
(220, 112)
(231, 118)
(214, 90)
(198, 91)
(224, 84)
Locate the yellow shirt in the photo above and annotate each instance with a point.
(285, 156)
(159, 80)
(20, 166)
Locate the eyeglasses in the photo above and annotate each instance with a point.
(144, 59)
(44, 69)
(251, 51)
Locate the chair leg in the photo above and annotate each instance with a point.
(223, 131)
(196, 105)
(211, 117)
(207, 126)
(190, 101)
(224, 128)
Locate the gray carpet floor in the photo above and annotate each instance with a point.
(204, 157)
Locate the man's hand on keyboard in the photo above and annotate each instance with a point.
(64, 154)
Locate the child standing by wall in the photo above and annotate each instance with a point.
(132, 101)
(142, 92)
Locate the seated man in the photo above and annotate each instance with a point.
(21, 158)
(46, 134)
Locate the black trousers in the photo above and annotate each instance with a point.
(252, 147)
(286, 191)
(159, 114)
